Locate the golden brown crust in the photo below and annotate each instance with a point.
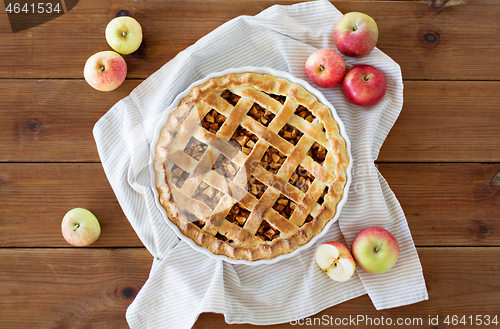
(207, 224)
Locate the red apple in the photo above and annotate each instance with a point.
(355, 34)
(364, 85)
(325, 68)
(335, 259)
(105, 70)
(375, 250)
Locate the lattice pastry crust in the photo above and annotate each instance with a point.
(250, 166)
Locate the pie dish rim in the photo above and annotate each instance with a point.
(260, 70)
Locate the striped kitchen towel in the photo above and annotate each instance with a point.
(183, 282)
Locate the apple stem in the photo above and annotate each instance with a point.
(124, 33)
(76, 226)
(377, 248)
(101, 69)
(354, 28)
(368, 77)
(321, 67)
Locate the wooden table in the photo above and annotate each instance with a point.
(442, 158)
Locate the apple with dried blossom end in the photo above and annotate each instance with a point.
(80, 227)
(364, 85)
(124, 34)
(375, 250)
(105, 70)
(355, 34)
(335, 259)
(325, 68)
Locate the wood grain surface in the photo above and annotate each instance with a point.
(441, 159)
(52, 120)
(93, 287)
(446, 204)
(437, 40)
(69, 288)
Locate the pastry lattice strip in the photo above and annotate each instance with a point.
(285, 113)
(273, 217)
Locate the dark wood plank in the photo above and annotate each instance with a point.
(52, 120)
(446, 121)
(450, 40)
(445, 204)
(448, 204)
(72, 288)
(35, 197)
(91, 288)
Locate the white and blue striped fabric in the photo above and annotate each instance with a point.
(183, 282)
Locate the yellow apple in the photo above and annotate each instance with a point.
(375, 250)
(124, 34)
(80, 227)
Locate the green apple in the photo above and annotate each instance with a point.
(335, 259)
(80, 227)
(375, 250)
(124, 34)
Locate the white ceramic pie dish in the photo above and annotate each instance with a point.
(281, 74)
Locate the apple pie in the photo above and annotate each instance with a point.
(250, 165)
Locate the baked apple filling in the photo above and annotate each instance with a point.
(193, 219)
(238, 215)
(178, 176)
(222, 237)
(321, 198)
(284, 206)
(301, 179)
(272, 160)
(195, 148)
(317, 153)
(266, 232)
(290, 133)
(279, 98)
(256, 187)
(208, 195)
(304, 113)
(225, 167)
(212, 121)
(244, 140)
(260, 114)
(230, 97)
